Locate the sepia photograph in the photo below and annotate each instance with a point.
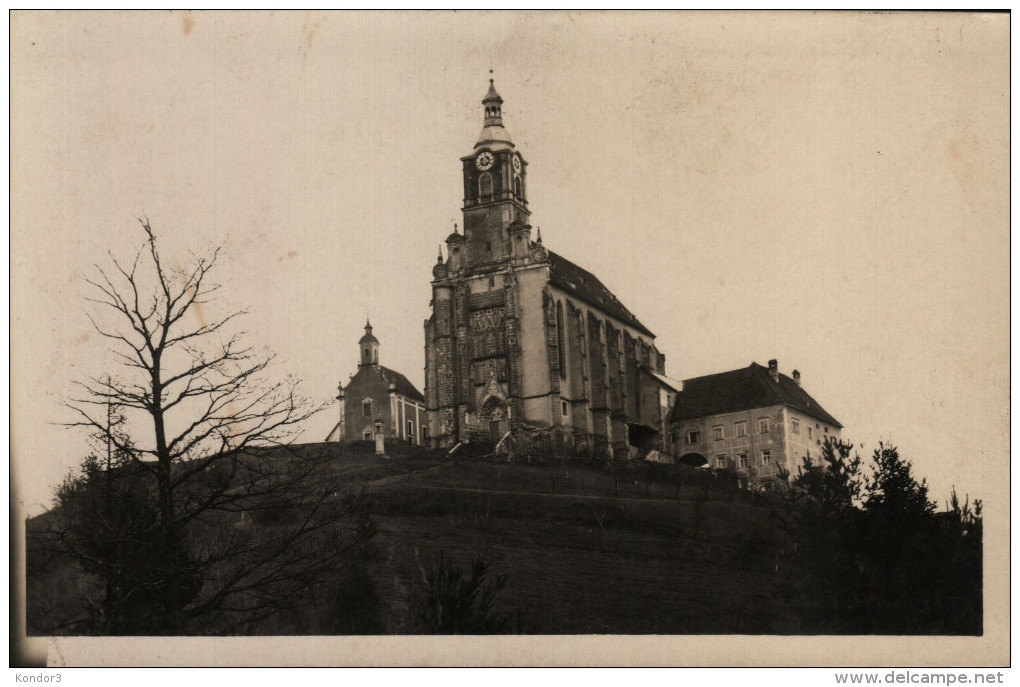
(510, 338)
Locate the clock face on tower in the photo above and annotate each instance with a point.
(517, 163)
(484, 161)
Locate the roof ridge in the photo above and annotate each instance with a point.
(591, 290)
(743, 389)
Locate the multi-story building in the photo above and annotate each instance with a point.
(520, 336)
(753, 421)
(377, 396)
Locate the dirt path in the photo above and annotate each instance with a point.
(599, 497)
(394, 479)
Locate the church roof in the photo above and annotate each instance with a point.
(402, 384)
(492, 94)
(368, 338)
(494, 137)
(585, 286)
(743, 389)
(666, 381)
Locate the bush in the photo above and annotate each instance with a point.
(459, 603)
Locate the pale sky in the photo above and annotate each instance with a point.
(830, 190)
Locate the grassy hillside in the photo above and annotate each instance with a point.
(583, 551)
(617, 548)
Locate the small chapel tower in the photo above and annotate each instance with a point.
(369, 346)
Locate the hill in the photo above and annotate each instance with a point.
(583, 550)
(586, 548)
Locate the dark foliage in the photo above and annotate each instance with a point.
(250, 567)
(871, 556)
(459, 602)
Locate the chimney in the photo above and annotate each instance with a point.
(774, 370)
(796, 376)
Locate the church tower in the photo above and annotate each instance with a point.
(368, 346)
(473, 365)
(494, 189)
(520, 337)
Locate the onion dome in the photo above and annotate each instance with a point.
(368, 337)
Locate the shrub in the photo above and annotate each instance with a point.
(462, 603)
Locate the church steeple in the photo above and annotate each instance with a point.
(493, 106)
(369, 346)
(493, 134)
(495, 193)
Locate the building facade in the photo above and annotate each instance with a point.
(520, 337)
(753, 421)
(377, 394)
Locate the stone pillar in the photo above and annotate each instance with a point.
(343, 412)
(380, 448)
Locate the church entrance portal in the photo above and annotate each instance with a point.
(493, 412)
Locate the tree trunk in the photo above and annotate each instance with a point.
(164, 486)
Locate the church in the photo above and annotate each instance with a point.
(378, 400)
(522, 341)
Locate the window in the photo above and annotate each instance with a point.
(807, 458)
(561, 341)
(488, 247)
(424, 434)
(717, 432)
(763, 425)
(826, 430)
(368, 435)
(720, 461)
(366, 407)
(795, 423)
(742, 460)
(563, 408)
(741, 429)
(492, 281)
(766, 457)
(410, 431)
(810, 433)
(693, 436)
(485, 185)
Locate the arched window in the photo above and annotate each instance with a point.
(485, 185)
(518, 188)
(561, 340)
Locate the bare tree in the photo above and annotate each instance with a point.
(209, 441)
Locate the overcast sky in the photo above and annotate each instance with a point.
(830, 190)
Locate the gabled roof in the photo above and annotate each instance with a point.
(743, 389)
(665, 381)
(585, 286)
(402, 383)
